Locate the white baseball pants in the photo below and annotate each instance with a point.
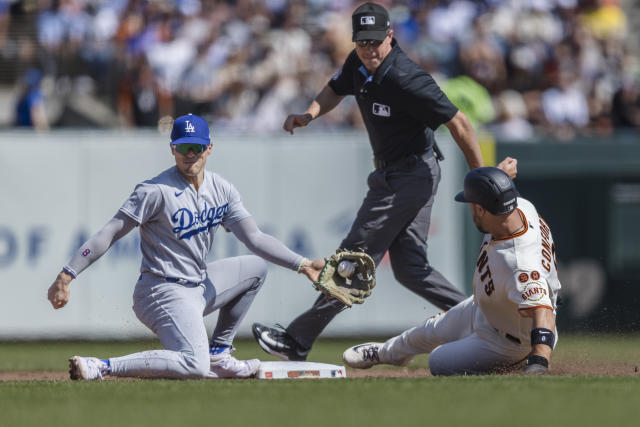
(175, 313)
(460, 342)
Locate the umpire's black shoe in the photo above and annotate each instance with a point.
(279, 343)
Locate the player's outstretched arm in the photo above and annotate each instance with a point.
(265, 245)
(273, 250)
(88, 253)
(542, 340)
(324, 102)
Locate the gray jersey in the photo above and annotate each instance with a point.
(178, 223)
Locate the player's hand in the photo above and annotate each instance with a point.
(312, 269)
(59, 291)
(295, 121)
(510, 166)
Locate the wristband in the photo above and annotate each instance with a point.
(542, 336)
(300, 265)
(536, 359)
(69, 271)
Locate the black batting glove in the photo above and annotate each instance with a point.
(536, 365)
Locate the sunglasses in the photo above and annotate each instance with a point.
(196, 148)
(372, 43)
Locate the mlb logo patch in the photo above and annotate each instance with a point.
(367, 20)
(381, 110)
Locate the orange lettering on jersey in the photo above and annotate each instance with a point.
(545, 234)
(523, 277)
(534, 292)
(489, 288)
(482, 264)
(482, 260)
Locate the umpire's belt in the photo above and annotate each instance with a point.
(407, 162)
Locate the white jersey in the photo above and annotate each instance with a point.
(517, 273)
(178, 223)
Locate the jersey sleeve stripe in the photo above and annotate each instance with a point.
(535, 307)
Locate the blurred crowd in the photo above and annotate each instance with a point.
(518, 68)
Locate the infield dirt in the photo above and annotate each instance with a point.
(558, 369)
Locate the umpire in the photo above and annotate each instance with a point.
(401, 106)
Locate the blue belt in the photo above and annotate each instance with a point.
(181, 281)
(174, 280)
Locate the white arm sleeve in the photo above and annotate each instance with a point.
(99, 243)
(264, 245)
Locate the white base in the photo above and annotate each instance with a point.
(298, 370)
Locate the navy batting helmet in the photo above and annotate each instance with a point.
(491, 188)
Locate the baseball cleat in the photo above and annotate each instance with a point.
(224, 365)
(87, 368)
(279, 343)
(362, 356)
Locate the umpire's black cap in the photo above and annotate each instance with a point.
(491, 188)
(370, 22)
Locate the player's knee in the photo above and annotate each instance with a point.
(259, 271)
(444, 361)
(197, 364)
(261, 267)
(255, 266)
(440, 362)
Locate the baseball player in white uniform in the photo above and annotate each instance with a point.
(511, 316)
(178, 213)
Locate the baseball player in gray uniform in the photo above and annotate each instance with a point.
(511, 315)
(178, 213)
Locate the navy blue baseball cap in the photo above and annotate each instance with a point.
(370, 22)
(190, 129)
(490, 188)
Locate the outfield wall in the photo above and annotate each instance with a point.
(59, 188)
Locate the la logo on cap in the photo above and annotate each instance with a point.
(189, 127)
(367, 20)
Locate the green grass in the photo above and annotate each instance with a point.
(519, 401)
(464, 401)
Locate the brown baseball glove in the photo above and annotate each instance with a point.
(350, 283)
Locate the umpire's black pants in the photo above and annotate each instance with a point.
(394, 216)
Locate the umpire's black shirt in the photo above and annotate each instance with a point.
(401, 104)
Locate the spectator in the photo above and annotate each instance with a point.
(241, 59)
(626, 106)
(30, 109)
(512, 123)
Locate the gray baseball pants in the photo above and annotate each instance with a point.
(460, 342)
(175, 312)
(394, 216)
